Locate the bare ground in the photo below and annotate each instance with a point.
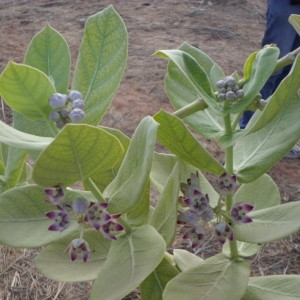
(227, 30)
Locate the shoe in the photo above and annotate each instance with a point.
(293, 154)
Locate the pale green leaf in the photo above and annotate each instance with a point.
(244, 249)
(22, 220)
(270, 224)
(101, 62)
(216, 278)
(48, 51)
(186, 260)
(295, 21)
(274, 133)
(164, 216)
(261, 193)
(174, 135)
(26, 90)
(130, 260)
(54, 262)
(14, 166)
(76, 153)
(153, 286)
(262, 67)
(193, 72)
(126, 190)
(273, 287)
(19, 139)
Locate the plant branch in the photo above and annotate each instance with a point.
(191, 108)
(286, 60)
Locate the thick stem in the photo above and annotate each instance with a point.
(190, 109)
(229, 168)
(286, 60)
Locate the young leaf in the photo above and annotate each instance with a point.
(244, 249)
(130, 260)
(164, 216)
(194, 73)
(273, 287)
(153, 286)
(48, 51)
(295, 21)
(262, 67)
(174, 135)
(216, 278)
(26, 90)
(126, 190)
(101, 62)
(273, 134)
(54, 263)
(270, 224)
(19, 139)
(181, 93)
(22, 220)
(76, 153)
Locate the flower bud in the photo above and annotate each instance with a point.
(78, 103)
(230, 96)
(80, 205)
(240, 94)
(73, 95)
(76, 115)
(230, 81)
(220, 84)
(54, 116)
(58, 100)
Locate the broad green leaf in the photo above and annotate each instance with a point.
(19, 139)
(22, 220)
(270, 224)
(262, 193)
(140, 213)
(211, 68)
(193, 72)
(103, 177)
(182, 93)
(164, 216)
(130, 260)
(174, 135)
(274, 133)
(261, 69)
(248, 66)
(216, 278)
(186, 260)
(273, 287)
(75, 154)
(153, 286)
(126, 190)
(54, 262)
(26, 90)
(14, 166)
(48, 51)
(101, 62)
(295, 21)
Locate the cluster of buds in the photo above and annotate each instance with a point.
(198, 211)
(66, 108)
(229, 90)
(92, 214)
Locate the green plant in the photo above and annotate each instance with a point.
(106, 229)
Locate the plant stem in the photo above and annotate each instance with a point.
(286, 60)
(191, 108)
(229, 168)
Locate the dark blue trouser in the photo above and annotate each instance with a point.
(280, 32)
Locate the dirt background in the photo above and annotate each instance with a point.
(227, 30)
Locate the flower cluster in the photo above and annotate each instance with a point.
(196, 211)
(229, 90)
(66, 109)
(93, 214)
